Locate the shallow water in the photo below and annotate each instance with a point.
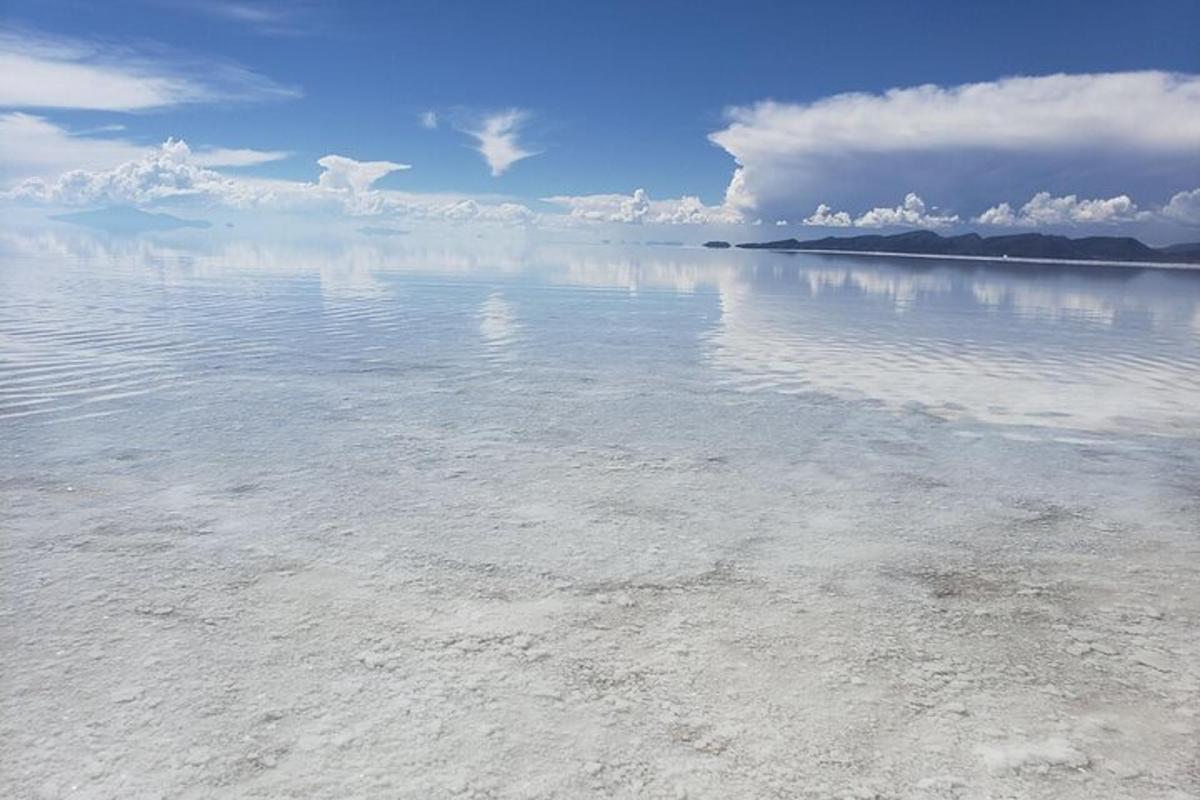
(412, 519)
(1104, 349)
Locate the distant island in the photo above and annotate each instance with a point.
(125, 219)
(377, 230)
(1038, 246)
(721, 245)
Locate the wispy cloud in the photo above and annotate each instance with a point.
(268, 17)
(39, 71)
(496, 138)
(428, 120)
(236, 156)
(252, 12)
(33, 146)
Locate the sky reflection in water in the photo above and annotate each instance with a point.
(91, 323)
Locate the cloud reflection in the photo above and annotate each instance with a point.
(1087, 348)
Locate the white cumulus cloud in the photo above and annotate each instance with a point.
(1001, 215)
(628, 208)
(1020, 113)
(1044, 209)
(970, 143)
(639, 208)
(163, 173)
(357, 176)
(172, 173)
(1184, 207)
(826, 217)
(496, 139)
(912, 213)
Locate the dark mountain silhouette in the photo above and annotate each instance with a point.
(1021, 245)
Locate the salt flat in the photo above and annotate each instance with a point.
(415, 521)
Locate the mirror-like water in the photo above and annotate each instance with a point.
(426, 520)
(1095, 348)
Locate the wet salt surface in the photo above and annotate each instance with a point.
(408, 521)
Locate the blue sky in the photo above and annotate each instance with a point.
(614, 97)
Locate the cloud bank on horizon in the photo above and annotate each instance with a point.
(1105, 151)
(171, 175)
(971, 145)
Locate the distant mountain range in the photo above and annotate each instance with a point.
(124, 219)
(1021, 245)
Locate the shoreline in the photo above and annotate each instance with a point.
(1172, 265)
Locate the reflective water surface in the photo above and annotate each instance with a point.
(444, 519)
(90, 325)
